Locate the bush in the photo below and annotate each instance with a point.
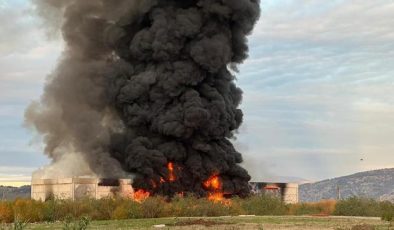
(119, 208)
(103, 209)
(235, 207)
(324, 207)
(6, 212)
(29, 210)
(49, 212)
(387, 211)
(153, 207)
(355, 206)
(120, 213)
(81, 224)
(19, 225)
(84, 207)
(205, 207)
(304, 209)
(134, 210)
(264, 205)
(127, 209)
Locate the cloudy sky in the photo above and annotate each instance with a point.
(318, 88)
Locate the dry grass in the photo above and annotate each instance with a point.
(322, 208)
(234, 223)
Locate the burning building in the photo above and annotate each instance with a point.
(78, 188)
(287, 192)
(145, 89)
(82, 187)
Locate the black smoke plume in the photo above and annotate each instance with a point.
(147, 83)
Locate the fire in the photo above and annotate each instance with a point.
(140, 195)
(171, 176)
(216, 196)
(215, 186)
(213, 183)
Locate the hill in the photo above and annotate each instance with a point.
(10, 193)
(377, 184)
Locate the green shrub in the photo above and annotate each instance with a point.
(235, 207)
(153, 207)
(84, 207)
(81, 224)
(264, 205)
(356, 206)
(103, 209)
(205, 207)
(127, 209)
(387, 209)
(49, 211)
(19, 225)
(119, 208)
(134, 210)
(192, 206)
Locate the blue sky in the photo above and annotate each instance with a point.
(318, 88)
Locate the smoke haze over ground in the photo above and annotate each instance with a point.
(142, 84)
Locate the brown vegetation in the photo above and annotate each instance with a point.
(116, 209)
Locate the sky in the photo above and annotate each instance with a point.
(317, 89)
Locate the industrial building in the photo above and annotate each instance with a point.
(288, 192)
(82, 187)
(77, 188)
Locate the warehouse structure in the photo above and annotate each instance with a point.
(288, 192)
(77, 188)
(82, 187)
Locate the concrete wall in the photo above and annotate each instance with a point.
(291, 194)
(288, 192)
(77, 188)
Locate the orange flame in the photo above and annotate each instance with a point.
(216, 196)
(140, 195)
(171, 176)
(213, 183)
(215, 186)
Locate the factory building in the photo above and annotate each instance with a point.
(81, 187)
(77, 188)
(287, 192)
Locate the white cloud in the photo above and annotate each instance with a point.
(17, 31)
(324, 21)
(26, 58)
(318, 87)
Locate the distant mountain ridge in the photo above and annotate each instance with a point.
(376, 184)
(11, 193)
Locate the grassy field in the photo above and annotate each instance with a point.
(234, 223)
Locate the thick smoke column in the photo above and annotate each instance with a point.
(146, 84)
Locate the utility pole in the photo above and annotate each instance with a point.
(338, 192)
